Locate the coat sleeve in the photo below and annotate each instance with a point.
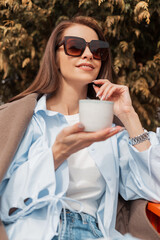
(139, 171)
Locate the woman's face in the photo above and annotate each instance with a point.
(78, 71)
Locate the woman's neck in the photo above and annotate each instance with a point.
(66, 100)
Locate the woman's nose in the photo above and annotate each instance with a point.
(87, 53)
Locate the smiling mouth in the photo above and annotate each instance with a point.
(86, 66)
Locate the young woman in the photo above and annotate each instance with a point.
(63, 182)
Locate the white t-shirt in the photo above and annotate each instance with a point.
(86, 184)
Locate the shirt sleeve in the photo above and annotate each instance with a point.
(31, 174)
(20, 157)
(139, 171)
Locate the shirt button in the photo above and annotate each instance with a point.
(92, 149)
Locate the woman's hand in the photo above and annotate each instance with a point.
(123, 108)
(119, 94)
(73, 138)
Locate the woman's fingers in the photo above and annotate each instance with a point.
(104, 134)
(106, 92)
(90, 137)
(71, 140)
(101, 92)
(78, 127)
(109, 90)
(76, 132)
(101, 81)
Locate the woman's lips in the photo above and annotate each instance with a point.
(86, 66)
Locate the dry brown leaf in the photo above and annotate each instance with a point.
(139, 6)
(124, 46)
(25, 62)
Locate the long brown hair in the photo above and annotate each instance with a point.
(47, 80)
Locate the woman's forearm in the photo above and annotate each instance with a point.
(134, 127)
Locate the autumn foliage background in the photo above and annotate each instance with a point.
(132, 28)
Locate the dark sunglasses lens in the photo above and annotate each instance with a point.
(99, 49)
(74, 47)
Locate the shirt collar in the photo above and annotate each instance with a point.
(41, 106)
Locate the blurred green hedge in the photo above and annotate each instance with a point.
(132, 28)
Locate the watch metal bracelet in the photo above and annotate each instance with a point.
(140, 138)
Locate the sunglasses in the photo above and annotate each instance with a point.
(75, 46)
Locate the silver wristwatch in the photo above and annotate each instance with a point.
(140, 138)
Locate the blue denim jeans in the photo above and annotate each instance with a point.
(78, 226)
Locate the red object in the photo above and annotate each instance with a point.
(153, 214)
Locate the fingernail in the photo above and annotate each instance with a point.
(98, 93)
(80, 125)
(106, 96)
(116, 128)
(122, 129)
(112, 129)
(103, 97)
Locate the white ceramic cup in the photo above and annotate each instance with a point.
(95, 114)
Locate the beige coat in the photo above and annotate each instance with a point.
(14, 119)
